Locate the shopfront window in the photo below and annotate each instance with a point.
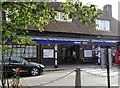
(31, 51)
(18, 50)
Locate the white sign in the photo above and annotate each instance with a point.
(84, 42)
(48, 53)
(87, 53)
(77, 42)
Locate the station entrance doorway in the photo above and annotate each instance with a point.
(70, 54)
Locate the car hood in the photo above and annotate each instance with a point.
(36, 64)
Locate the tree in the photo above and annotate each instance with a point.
(85, 14)
(20, 16)
(23, 15)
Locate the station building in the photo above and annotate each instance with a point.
(59, 40)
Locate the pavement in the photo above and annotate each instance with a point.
(88, 72)
(74, 66)
(92, 69)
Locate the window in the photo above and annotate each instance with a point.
(103, 25)
(8, 12)
(16, 60)
(60, 18)
(31, 51)
(18, 50)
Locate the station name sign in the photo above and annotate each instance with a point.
(80, 42)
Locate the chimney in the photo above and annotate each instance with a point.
(108, 9)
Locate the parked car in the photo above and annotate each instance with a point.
(22, 66)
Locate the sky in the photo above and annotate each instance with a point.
(101, 3)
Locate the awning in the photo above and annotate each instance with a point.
(64, 40)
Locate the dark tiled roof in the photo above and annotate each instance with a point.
(76, 27)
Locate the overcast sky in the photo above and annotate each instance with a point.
(101, 3)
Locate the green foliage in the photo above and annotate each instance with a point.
(24, 15)
(86, 14)
(27, 14)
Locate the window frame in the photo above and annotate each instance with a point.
(59, 17)
(19, 49)
(102, 25)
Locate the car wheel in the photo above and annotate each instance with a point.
(34, 71)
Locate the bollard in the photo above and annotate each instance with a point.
(78, 78)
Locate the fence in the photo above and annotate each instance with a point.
(77, 79)
(77, 72)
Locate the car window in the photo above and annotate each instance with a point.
(16, 60)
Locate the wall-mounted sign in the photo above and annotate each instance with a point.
(87, 53)
(48, 53)
(77, 42)
(84, 42)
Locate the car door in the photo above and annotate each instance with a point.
(24, 66)
(15, 64)
(9, 65)
(20, 65)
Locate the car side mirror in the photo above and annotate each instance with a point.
(24, 63)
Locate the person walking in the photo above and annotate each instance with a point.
(74, 57)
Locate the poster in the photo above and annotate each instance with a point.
(48, 53)
(87, 53)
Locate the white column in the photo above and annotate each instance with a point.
(56, 62)
(99, 55)
(110, 57)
